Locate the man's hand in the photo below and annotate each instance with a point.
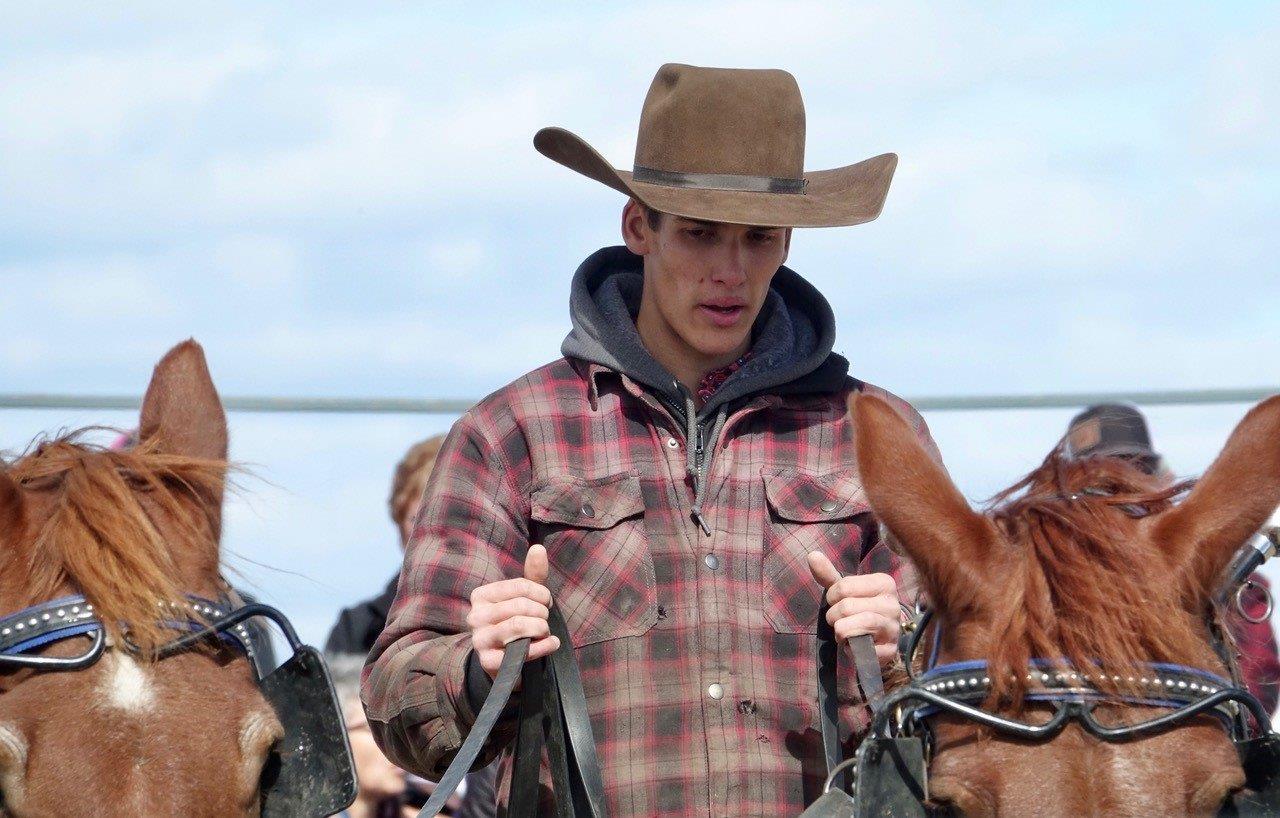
(511, 609)
(865, 603)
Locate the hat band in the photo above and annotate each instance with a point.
(718, 181)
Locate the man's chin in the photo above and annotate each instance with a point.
(718, 349)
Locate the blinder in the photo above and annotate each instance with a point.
(1260, 758)
(891, 764)
(309, 774)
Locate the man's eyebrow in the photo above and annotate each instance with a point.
(697, 222)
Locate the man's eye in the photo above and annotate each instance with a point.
(762, 238)
(697, 233)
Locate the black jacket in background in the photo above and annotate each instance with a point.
(358, 626)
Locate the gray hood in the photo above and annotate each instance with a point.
(791, 346)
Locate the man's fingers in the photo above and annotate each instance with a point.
(885, 605)
(505, 589)
(543, 647)
(823, 571)
(886, 652)
(493, 613)
(518, 627)
(884, 629)
(861, 585)
(491, 658)
(536, 567)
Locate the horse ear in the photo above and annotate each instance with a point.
(913, 496)
(1233, 499)
(182, 411)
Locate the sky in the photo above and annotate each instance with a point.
(345, 201)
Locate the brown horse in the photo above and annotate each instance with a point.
(131, 735)
(1089, 562)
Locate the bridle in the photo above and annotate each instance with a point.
(890, 766)
(309, 773)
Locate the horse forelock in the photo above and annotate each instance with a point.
(1081, 581)
(117, 526)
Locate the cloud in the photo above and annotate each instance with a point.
(339, 204)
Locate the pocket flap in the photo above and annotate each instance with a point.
(601, 502)
(814, 498)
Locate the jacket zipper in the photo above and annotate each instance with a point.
(699, 444)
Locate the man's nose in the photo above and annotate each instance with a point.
(731, 266)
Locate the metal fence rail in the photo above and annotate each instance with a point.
(447, 406)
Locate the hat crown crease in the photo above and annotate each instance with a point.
(732, 122)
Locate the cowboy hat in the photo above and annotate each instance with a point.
(727, 145)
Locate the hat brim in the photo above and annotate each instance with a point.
(839, 197)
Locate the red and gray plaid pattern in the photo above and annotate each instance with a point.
(696, 651)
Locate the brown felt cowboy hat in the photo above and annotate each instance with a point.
(727, 145)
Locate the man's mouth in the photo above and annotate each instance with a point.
(723, 313)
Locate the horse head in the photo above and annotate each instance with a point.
(131, 532)
(1088, 567)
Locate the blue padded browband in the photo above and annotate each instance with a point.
(71, 616)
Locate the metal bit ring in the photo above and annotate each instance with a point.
(1240, 606)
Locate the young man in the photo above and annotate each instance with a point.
(682, 483)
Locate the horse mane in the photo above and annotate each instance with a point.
(103, 540)
(1084, 584)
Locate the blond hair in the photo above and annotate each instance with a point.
(411, 478)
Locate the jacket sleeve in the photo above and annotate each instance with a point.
(471, 530)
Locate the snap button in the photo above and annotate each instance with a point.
(829, 506)
(712, 561)
(588, 510)
(672, 443)
(715, 691)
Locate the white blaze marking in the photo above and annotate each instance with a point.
(127, 685)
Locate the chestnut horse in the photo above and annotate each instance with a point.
(130, 735)
(1091, 563)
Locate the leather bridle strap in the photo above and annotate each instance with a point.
(553, 713)
(828, 705)
(870, 679)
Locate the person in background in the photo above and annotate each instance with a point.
(1120, 430)
(358, 626)
(382, 788)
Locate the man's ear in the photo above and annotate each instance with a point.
(635, 228)
(912, 495)
(1233, 499)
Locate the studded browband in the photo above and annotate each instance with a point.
(1154, 685)
(71, 616)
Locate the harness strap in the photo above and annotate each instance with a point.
(553, 713)
(869, 677)
(828, 705)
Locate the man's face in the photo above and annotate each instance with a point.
(704, 282)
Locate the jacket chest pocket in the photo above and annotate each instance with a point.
(601, 568)
(808, 512)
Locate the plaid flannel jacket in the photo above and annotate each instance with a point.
(696, 651)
